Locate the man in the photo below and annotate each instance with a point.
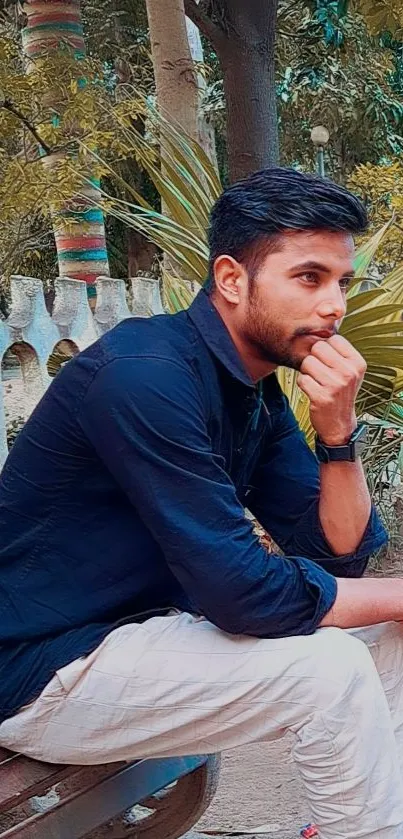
(140, 614)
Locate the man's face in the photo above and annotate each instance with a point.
(297, 297)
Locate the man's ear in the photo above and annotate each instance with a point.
(231, 279)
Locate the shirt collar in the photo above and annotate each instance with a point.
(215, 334)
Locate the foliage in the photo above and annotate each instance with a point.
(381, 187)
(55, 105)
(332, 71)
(59, 101)
(382, 458)
(383, 465)
(117, 32)
(188, 186)
(382, 15)
(29, 124)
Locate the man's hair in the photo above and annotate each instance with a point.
(249, 218)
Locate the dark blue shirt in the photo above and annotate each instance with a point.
(125, 492)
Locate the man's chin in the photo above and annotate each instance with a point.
(293, 364)
(282, 356)
(305, 343)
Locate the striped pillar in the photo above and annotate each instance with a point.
(52, 24)
(79, 228)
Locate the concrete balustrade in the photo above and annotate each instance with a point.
(32, 334)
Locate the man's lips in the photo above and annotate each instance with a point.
(323, 333)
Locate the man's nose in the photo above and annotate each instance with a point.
(333, 304)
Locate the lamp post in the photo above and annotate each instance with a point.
(320, 139)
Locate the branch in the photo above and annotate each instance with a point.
(213, 32)
(8, 106)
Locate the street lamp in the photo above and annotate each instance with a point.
(320, 138)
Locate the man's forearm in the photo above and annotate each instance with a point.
(345, 505)
(366, 602)
(331, 376)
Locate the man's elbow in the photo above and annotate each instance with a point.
(266, 624)
(227, 618)
(345, 566)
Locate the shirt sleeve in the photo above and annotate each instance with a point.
(146, 419)
(284, 497)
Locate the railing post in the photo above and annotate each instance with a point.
(111, 306)
(32, 331)
(146, 297)
(71, 313)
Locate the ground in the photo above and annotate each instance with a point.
(258, 786)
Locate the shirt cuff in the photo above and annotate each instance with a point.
(323, 589)
(310, 540)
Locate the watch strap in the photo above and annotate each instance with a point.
(350, 451)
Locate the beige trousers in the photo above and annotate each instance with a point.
(178, 685)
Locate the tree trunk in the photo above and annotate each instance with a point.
(140, 253)
(79, 229)
(244, 40)
(248, 64)
(206, 132)
(175, 77)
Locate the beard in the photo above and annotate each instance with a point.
(269, 339)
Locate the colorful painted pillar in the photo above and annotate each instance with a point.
(79, 228)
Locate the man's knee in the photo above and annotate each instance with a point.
(341, 666)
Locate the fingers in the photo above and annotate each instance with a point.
(312, 389)
(344, 348)
(324, 374)
(330, 376)
(335, 367)
(325, 352)
(332, 351)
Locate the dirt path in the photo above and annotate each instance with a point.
(258, 785)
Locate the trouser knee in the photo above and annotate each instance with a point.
(343, 669)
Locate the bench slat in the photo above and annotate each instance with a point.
(98, 803)
(5, 755)
(21, 778)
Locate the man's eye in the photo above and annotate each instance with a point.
(309, 277)
(344, 283)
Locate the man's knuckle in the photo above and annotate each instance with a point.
(340, 381)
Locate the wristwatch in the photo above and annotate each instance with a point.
(351, 450)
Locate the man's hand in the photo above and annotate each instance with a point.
(331, 377)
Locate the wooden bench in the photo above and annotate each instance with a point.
(47, 801)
